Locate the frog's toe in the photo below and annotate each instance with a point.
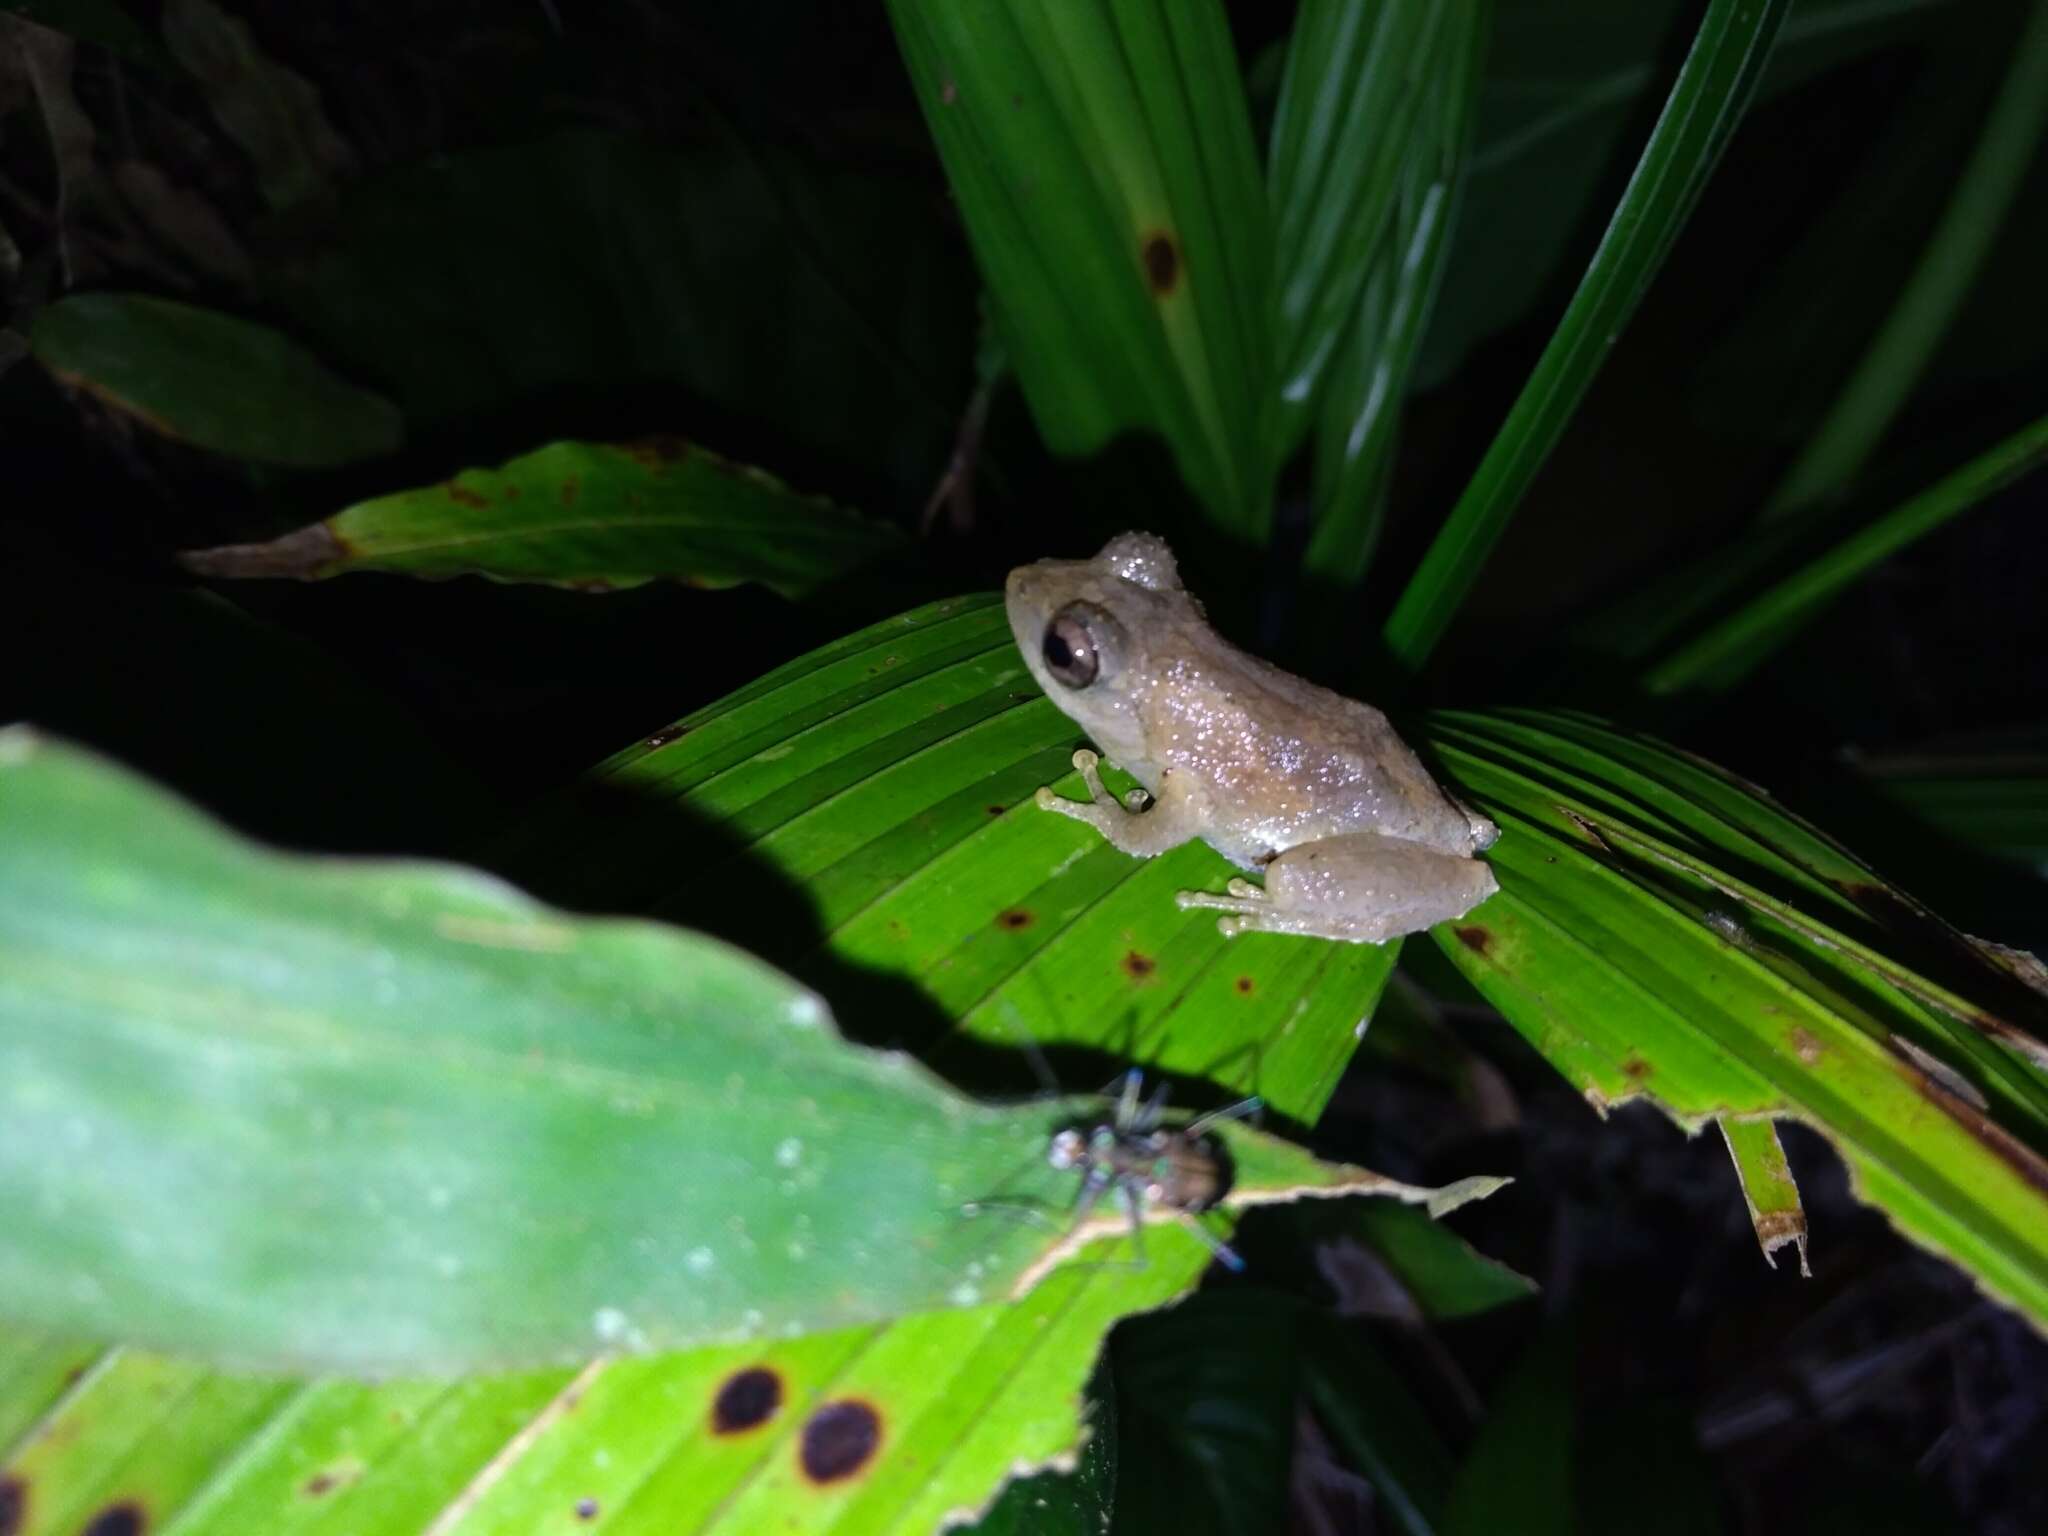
(1085, 760)
(1244, 890)
(1046, 799)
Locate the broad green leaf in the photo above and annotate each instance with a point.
(212, 380)
(1994, 801)
(1518, 1475)
(1438, 1268)
(272, 112)
(589, 515)
(1101, 157)
(1665, 931)
(1724, 654)
(398, 1116)
(1706, 102)
(1382, 1432)
(830, 305)
(1205, 1423)
(102, 22)
(1382, 330)
(1947, 270)
(1768, 1188)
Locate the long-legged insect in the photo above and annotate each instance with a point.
(1143, 1161)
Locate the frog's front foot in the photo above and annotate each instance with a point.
(1172, 820)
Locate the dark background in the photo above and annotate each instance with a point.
(557, 220)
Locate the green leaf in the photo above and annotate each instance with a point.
(1946, 272)
(589, 515)
(1707, 101)
(1768, 1188)
(1205, 1419)
(1518, 1475)
(1995, 801)
(1664, 931)
(1357, 82)
(1101, 157)
(1439, 1269)
(1374, 1420)
(364, 1116)
(211, 380)
(272, 112)
(1383, 327)
(1725, 653)
(1565, 85)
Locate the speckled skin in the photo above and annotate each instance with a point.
(1356, 840)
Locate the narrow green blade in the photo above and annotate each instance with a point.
(1706, 102)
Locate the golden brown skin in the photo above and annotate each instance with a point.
(1357, 841)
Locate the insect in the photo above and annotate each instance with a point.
(1142, 1161)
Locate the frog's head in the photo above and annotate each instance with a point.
(1084, 626)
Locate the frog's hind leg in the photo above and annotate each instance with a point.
(1178, 813)
(1361, 887)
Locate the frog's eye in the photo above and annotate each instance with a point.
(1079, 641)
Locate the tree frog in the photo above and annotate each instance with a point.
(1355, 839)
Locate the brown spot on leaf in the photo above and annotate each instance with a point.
(747, 1400)
(318, 1484)
(586, 1509)
(1994, 1138)
(1015, 918)
(665, 735)
(1162, 262)
(839, 1439)
(1138, 965)
(569, 492)
(658, 453)
(463, 496)
(1475, 938)
(123, 1519)
(13, 1505)
(1804, 1045)
(948, 94)
(1635, 1069)
(997, 810)
(1244, 985)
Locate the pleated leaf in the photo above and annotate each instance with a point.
(1665, 931)
(1101, 157)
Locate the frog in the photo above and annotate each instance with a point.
(1355, 841)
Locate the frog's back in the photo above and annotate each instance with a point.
(1287, 761)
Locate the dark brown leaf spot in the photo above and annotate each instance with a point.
(1014, 918)
(316, 1485)
(1138, 965)
(1244, 985)
(1475, 938)
(586, 1509)
(13, 1505)
(658, 453)
(569, 492)
(997, 810)
(1162, 262)
(1636, 1069)
(1804, 1045)
(665, 735)
(839, 1439)
(123, 1519)
(749, 1399)
(463, 496)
